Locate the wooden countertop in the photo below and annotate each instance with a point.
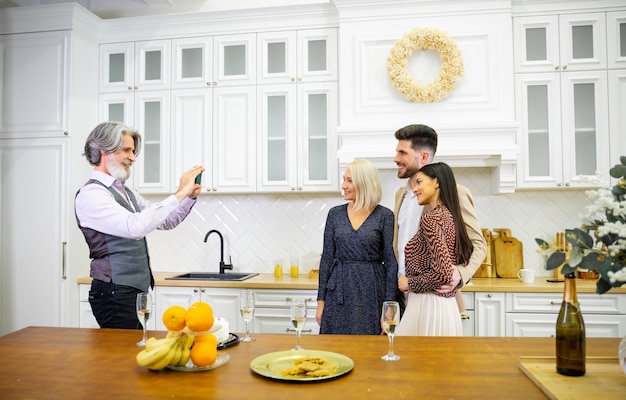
(268, 281)
(76, 363)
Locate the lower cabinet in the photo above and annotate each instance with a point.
(272, 311)
(468, 317)
(489, 311)
(535, 314)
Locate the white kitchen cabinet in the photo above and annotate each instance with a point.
(33, 98)
(148, 112)
(468, 316)
(308, 55)
(272, 311)
(564, 128)
(226, 147)
(535, 314)
(135, 66)
(562, 97)
(489, 309)
(617, 105)
(234, 61)
(34, 232)
(616, 39)
(192, 63)
(568, 42)
(298, 144)
(223, 301)
(234, 165)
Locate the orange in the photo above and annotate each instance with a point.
(204, 353)
(208, 337)
(199, 317)
(174, 318)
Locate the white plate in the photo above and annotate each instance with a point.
(222, 358)
(270, 365)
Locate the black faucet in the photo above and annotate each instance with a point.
(223, 266)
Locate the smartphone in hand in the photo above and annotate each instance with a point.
(199, 179)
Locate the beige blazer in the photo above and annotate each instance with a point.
(473, 230)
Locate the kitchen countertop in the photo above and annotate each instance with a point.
(77, 363)
(268, 281)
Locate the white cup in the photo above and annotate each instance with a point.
(526, 275)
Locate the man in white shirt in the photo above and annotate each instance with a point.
(416, 147)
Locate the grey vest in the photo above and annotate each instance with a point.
(116, 259)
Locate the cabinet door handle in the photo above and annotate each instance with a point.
(465, 316)
(288, 299)
(63, 262)
(555, 303)
(303, 331)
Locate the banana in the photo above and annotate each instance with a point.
(185, 356)
(151, 343)
(165, 360)
(161, 348)
(190, 340)
(178, 351)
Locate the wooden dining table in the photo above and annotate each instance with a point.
(78, 363)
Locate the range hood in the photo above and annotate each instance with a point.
(489, 146)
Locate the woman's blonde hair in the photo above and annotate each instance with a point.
(366, 181)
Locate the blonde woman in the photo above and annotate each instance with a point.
(358, 269)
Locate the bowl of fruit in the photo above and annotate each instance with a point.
(190, 344)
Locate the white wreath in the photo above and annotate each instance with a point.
(425, 39)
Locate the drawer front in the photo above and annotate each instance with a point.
(274, 298)
(83, 292)
(544, 325)
(278, 320)
(551, 303)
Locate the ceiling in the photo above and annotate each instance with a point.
(107, 9)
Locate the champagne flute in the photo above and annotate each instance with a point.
(390, 319)
(144, 310)
(298, 318)
(246, 301)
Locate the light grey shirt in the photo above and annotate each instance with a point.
(408, 221)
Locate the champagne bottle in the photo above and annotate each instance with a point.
(570, 333)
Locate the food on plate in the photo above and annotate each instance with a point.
(308, 366)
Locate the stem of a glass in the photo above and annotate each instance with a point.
(390, 344)
(145, 333)
(298, 339)
(247, 331)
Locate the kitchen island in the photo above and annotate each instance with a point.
(74, 363)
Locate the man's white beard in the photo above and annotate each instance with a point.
(117, 170)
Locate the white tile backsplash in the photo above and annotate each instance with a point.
(259, 228)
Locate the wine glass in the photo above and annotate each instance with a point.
(144, 310)
(246, 301)
(390, 319)
(298, 317)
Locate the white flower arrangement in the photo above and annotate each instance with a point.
(600, 245)
(425, 39)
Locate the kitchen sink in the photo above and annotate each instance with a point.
(213, 276)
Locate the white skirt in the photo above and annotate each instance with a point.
(427, 314)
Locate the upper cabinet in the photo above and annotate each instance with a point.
(297, 56)
(572, 42)
(33, 99)
(135, 66)
(616, 39)
(562, 97)
(234, 60)
(297, 131)
(192, 63)
(297, 111)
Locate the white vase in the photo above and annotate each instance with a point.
(622, 354)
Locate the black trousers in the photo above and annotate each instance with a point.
(114, 306)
